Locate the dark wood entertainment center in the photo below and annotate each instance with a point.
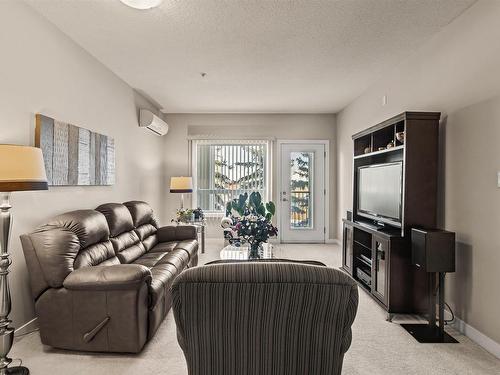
(379, 257)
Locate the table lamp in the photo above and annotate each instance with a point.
(21, 169)
(181, 185)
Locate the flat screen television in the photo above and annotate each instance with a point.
(380, 192)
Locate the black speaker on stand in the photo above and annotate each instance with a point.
(434, 251)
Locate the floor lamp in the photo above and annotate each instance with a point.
(181, 185)
(21, 169)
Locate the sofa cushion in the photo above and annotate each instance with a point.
(178, 258)
(99, 254)
(164, 268)
(128, 247)
(89, 226)
(150, 259)
(147, 234)
(126, 242)
(144, 231)
(150, 242)
(190, 246)
(141, 212)
(118, 217)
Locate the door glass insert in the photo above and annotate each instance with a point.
(301, 215)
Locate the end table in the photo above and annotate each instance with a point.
(200, 229)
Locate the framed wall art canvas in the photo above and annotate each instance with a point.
(73, 155)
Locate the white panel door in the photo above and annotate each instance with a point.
(302, 192)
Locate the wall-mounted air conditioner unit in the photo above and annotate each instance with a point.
(153, 123)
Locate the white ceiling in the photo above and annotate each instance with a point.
(259, 55)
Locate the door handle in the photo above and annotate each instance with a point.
(283, 196)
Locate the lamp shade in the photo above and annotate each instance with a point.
(21, 168)
(181, 185)
(142, 4)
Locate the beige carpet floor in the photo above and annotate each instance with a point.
(378, 347)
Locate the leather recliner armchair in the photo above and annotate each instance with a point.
(101, 278)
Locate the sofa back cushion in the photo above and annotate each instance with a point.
(88, 225)
(126, 243)
(141, 212)
(99, 254)
(144, 222)
(69, 241)
(118, 218)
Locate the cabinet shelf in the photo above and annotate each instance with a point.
(363, 277)
(362, 245)
(381, 152)
(365, 260)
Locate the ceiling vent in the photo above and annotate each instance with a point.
(153, 123)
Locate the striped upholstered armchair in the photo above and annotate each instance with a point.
(264, 318)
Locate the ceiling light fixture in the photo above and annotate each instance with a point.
(142, 4)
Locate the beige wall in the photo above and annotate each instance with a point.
(41, 70)
(294, 126)
(457, 72)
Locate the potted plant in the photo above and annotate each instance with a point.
(250, 220)
(198, 214)
(184, 215)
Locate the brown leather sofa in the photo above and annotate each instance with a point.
(101, 278)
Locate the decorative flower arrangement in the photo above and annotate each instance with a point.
(250, 220)
(184, 216)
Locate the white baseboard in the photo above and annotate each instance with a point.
(478, 337)
(30, 326)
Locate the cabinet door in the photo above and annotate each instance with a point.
(347, 248)
(380, 256)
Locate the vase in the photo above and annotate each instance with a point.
(254, 252)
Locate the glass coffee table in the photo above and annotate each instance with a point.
(234, 252)
(271, 252)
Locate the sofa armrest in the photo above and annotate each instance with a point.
(177, 233)
(104, 278)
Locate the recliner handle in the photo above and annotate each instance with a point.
(89, 336)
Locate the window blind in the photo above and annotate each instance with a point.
(224, 169)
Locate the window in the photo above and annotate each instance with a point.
(223, 170)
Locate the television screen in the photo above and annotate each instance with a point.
(379, 191)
